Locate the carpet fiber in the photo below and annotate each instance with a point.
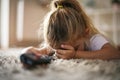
(74, 69)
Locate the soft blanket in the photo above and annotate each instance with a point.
(74, 69)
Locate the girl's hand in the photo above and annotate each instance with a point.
(67, 52)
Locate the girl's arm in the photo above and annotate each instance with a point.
(106, 53)
(37, 51)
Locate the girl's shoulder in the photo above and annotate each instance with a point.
(97, 36)
(97, 41)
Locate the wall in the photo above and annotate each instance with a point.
(105, 18)
(34, 14)
(33, 17)
(103, 3)
(12, 32)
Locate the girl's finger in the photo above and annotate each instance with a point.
(61, 52)
(67, 47)
(59, 55)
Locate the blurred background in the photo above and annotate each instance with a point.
(20, 20)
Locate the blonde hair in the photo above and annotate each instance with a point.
(66, 22)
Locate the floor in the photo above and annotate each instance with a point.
(74, 69)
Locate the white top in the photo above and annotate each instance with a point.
(97, 42)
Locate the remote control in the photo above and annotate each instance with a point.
(33, 60)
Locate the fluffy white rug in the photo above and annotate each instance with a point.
(77, 69)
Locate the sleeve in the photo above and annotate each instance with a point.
(97, 42)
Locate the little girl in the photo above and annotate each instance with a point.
(70, 34)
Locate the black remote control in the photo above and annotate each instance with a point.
(31, 59)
